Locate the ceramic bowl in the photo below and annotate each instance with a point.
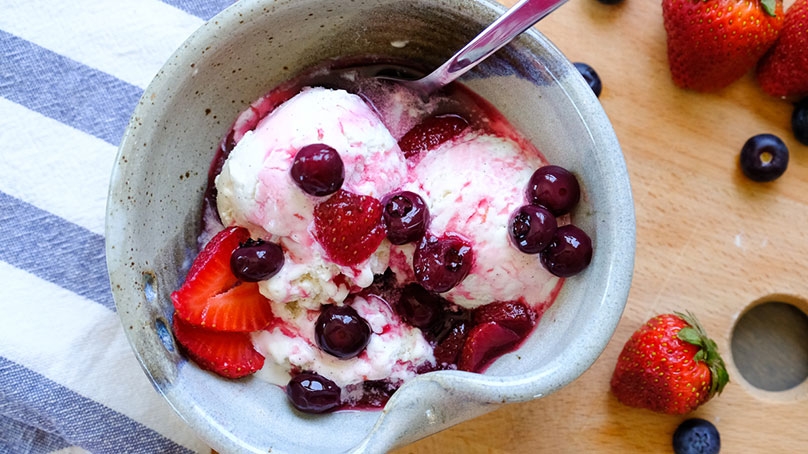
(157, 186)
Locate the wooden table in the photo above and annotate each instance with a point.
(708, 240)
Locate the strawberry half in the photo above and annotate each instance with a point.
(349, 227)
(713, 43)
(430, 133)
(230, 355)
(510, 314)
(212, 296)
(669, 366)
(484, 343)
(783, 71)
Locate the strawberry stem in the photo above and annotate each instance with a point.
(695, 334)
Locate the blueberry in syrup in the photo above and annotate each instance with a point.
(554, 188)
(318, 169)
(568, 253)
(443, 325)
(341, 332)
(420, 308)
(256, 260)
(764, 157)
(531, 228)
(310, 392)
(442, 263)
(590, 76)
(799, 121)
(450, 321)
(696, 436)
(405, 217)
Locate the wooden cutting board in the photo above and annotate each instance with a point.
(708, 240)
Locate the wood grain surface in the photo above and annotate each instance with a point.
(708, 240)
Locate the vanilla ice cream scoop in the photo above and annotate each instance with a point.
(472, 185)
(255, 188)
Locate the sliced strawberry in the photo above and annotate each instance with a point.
(349, 227)
(213, 297)
(230, 355)
(213, 256)
(510, 314)
(484, 343)
(430, 133)
(242, 308)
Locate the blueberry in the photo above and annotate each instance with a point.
(405, 217)
(569, 252)
(419, 307)
(442, 263)
(310, 392)
(531, 228)
(554, 188)
(429, 312)
(610, 2)
(256, 260)
(318, 170)
(341, 332)
(590, 76)
(799, 121)
(764, 157)
(696, 436)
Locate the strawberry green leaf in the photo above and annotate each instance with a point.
(769, 6)
(691, 336)
(720, 379)
(696, 335)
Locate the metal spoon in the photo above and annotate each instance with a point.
(516, 20)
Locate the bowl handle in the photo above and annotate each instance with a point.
(421, 408)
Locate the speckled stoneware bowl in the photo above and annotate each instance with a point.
(157, 187)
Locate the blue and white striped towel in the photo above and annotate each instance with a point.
(71, 73)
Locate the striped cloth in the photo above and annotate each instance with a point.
(71, 73)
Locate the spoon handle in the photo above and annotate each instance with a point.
(510, 25)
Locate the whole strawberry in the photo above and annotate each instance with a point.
(712, 43)
(669, 366)
(783, 71)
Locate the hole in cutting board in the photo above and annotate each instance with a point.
(770, 346)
